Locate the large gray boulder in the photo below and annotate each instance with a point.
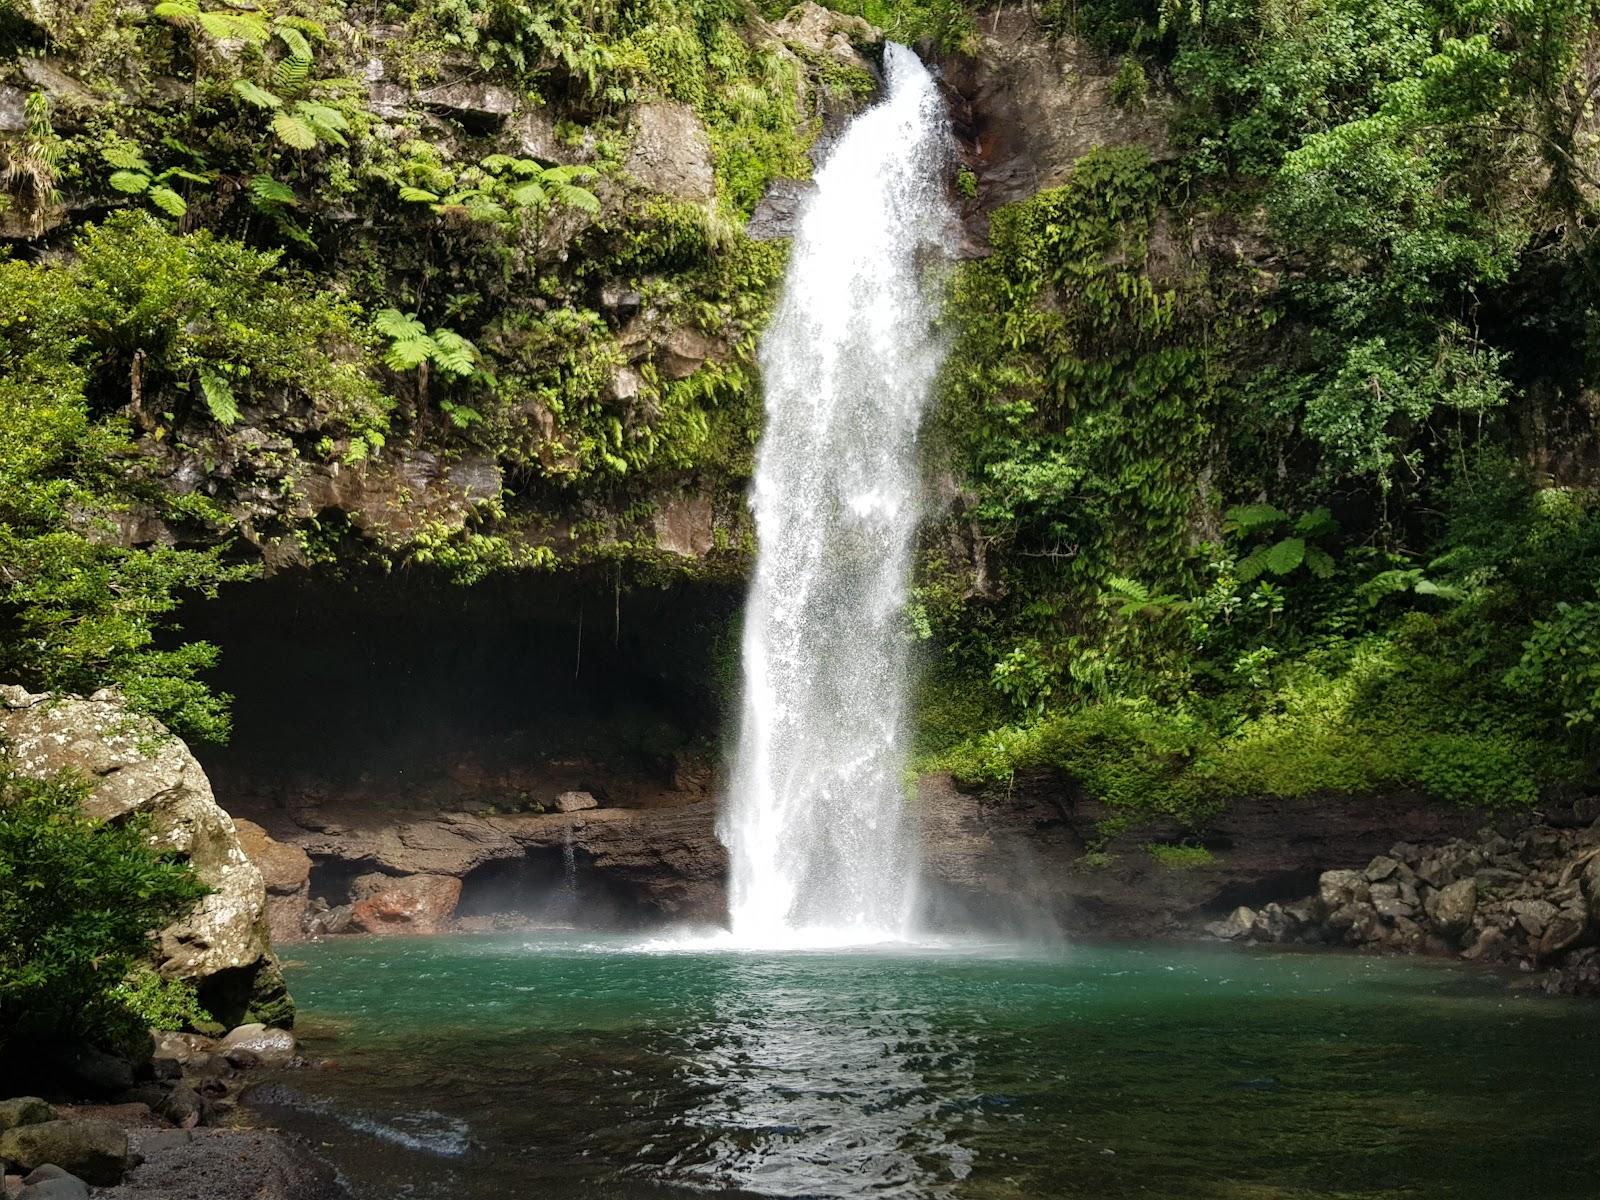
(24, 1110)
(95, 1151)
(137, 766)
(671, 152)
(1452, 908)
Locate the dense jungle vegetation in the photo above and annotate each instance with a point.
(1315, 516)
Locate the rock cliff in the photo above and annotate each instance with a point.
(223, 945)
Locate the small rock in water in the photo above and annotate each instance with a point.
(1236, 924)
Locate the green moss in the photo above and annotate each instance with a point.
(1180, 858)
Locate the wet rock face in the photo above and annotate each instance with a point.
(1016, 859)
(1521, 893)
(138, 766)
(1027, 106)
(671, 152)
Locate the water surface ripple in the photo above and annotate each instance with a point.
(572, 1065)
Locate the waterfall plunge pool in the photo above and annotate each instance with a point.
(574, 1065)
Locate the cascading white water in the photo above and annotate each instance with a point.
(822, 846)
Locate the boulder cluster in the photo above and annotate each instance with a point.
(57, 1153)
(1527, 897)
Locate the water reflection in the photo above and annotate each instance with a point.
(813, 1090)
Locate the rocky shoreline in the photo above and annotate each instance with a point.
(168, 1128)
(1518, 894)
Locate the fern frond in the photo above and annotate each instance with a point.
(291, 73)
(134, 183)
(168, 201)
(1283, 557)
(1319, 562)
(294, 41)
(1317, 523)
(219, 396)
(268, 193)
(577, 197)
(418, 195)
(123, 154)
(256, 95)
(185, 174)
(393, 323)
(1250, 518)
(177, 12)
(294, 132)
(454, 354)
(409, 355)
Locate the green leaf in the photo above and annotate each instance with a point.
(1319, 562)
(123, 154)
(168, 201)
(291, 73)
(1251, 565)
(219, 397)
(418, 195)
(252, 93)
(294, 132)
(267, 192)
(453, 354)
(1318, 522)
(1286, 555)
(1251, 518)
(177, 12)
(529, 195)
(577, 197)
(185, 174)
(393, 323)
(409, 354)
(295, 41)
(133, 182)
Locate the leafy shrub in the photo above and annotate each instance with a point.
(78, 901)
(1491, 772)
(1560, 665)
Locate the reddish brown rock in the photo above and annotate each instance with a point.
(405, 904)
(286, 870)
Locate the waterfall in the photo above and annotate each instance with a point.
(822, 845)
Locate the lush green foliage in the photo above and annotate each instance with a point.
(1259, 527)
(145, 334)
(78, 902)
